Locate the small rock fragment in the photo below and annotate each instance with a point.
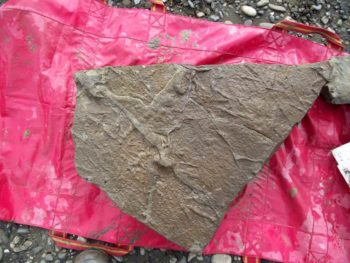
(136, 2)
(248, 10)
(3, 237)
(92, 255)
(1, 254)
(248, 22)
(22, 230)
(62, 254)
(262, 3)
(221, 258)
(183, 260)
(190, 3)
(200, 14)
(37, 249)
(49, 257)
(325, 20)
(228, 22)
(190, 257)
(316, 7)
(173, 260)
(82, 239)
(278, 8)
(214, 18)
(142, 251)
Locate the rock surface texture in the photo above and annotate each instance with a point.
(172, 145)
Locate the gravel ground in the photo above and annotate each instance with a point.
(20, 243)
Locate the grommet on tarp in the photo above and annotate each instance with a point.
(333, 40)
(158, 6)
(63, 240)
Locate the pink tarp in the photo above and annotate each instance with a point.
(297, 209)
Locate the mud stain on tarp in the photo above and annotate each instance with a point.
(185, 35)
(26, 134)
(293, 192)
(154, 43)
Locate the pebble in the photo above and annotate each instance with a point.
(248, 10)
(62, 255)
(324, 20)
(1, 254)
(49, 257)
(316, 7)
(190, 257)
(3, 237)
(190, 3)
(339, 22)
(69, 261)
(214, 17)
(221, 258)
(228, 22)
(22, 230)
(248, 22)
(82, 239)
(173, 260)
(262, 3)
(37, 249)
(200, 14)
(57, 261)
(266, 25)
(136, 2)
(183, 260)
(278, 8)
(142, 251)
(92, 255)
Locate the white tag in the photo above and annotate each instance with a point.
(342, 156)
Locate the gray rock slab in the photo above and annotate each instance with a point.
(172, 145)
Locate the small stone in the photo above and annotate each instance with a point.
(183, 260)
(214, 18)
(62, 255)
(190, 257)
(43, 261)
(339, 22)
(27, 244)
(126, 2)
(15, 241)
(190, 3)
(22, 230)
(6, 251)
(316, 7)
(92, 255)
(57, 261)
(248, 22)
(49, 257)
(324, 20)
(278, 8)
(200, 258)
(136, 2)
(272, 18)
(173, 260)
(221, 258)
(228, 22)
(69, 261)
(1, 254)
(248, 10)
(3, 237)
(261, 12)
(82, 239)
(118, 259)
(200, 14)
(262, 3)
(37, 249)
(142, 251)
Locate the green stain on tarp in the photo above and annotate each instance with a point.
(154, 43)
(185, 35)
(26, 134)
(293, 192)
